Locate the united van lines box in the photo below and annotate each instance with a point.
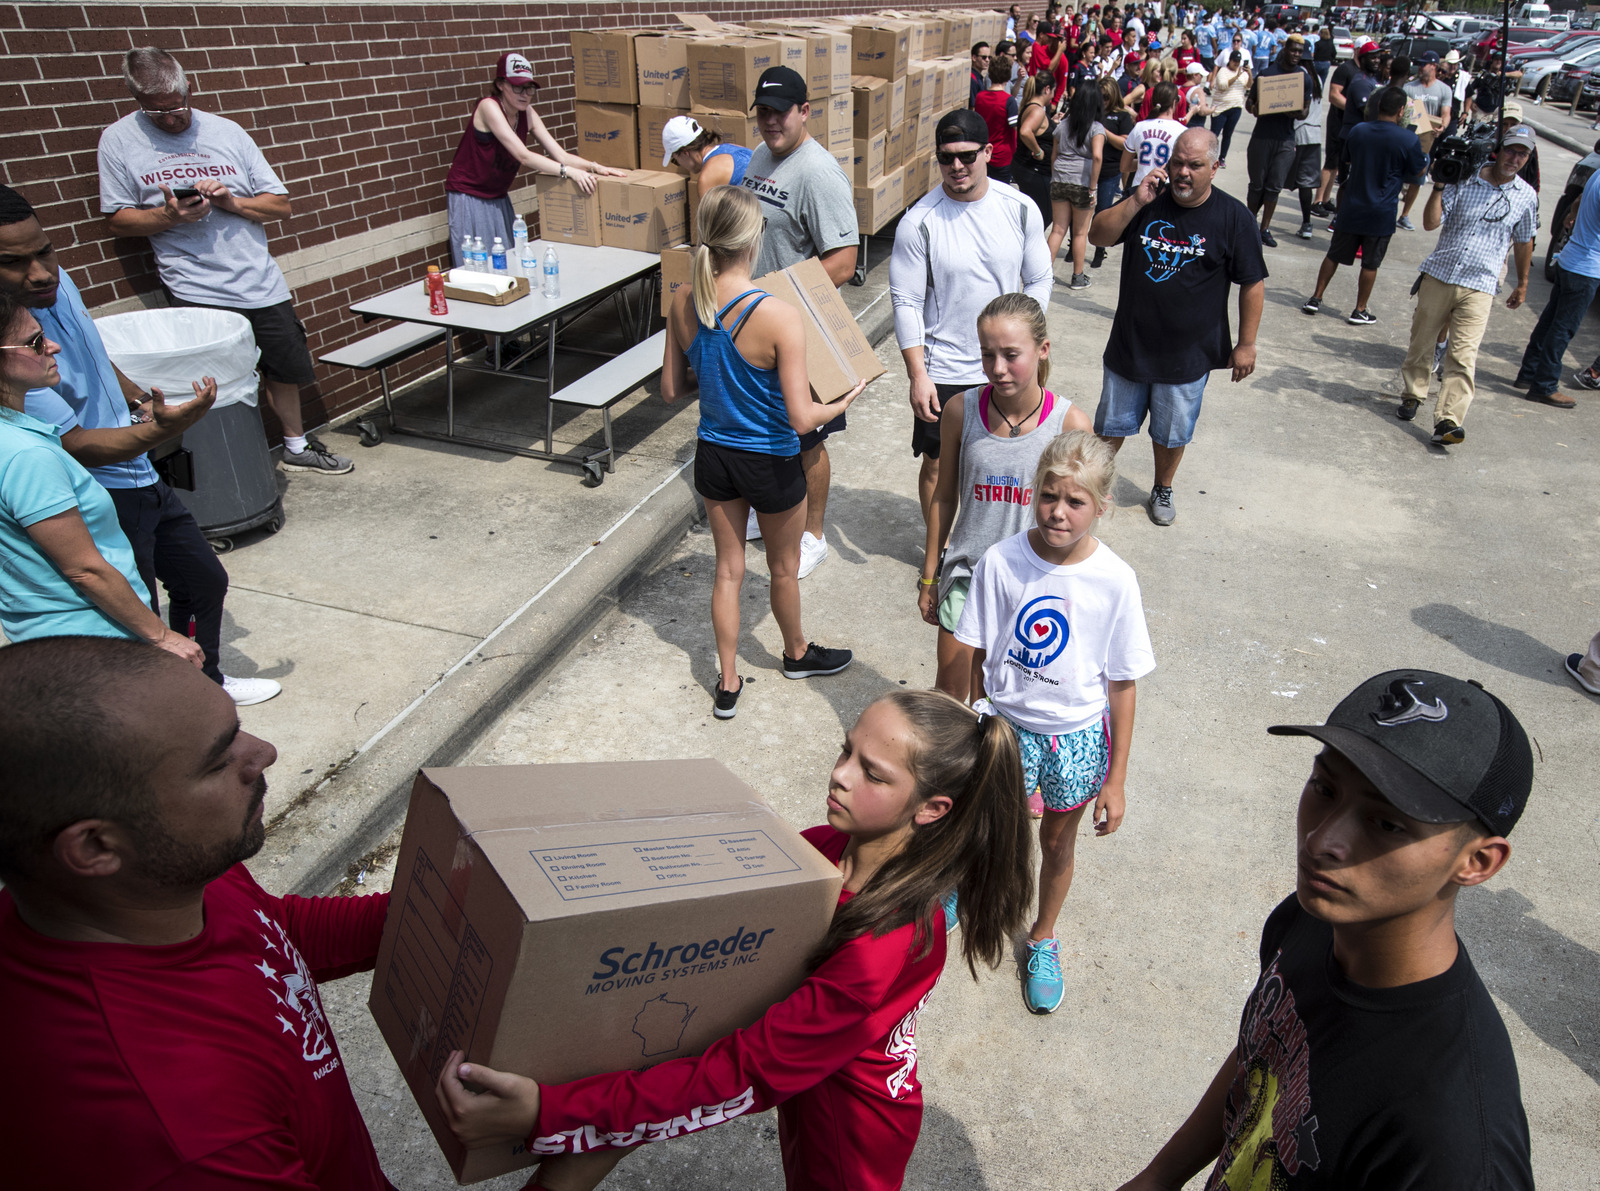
(647, 211)
(737, 128)
(894, 148)
(663, 63)
(897, 101)
(866, 159)
(603, 66)
(566, 214)
(608, 134)
(837, 353)
(1280, 93)
(832, 121)
(871, 105)
(881, 48)
(651, 121)
(677, 266)
(564, 920)
(723, 71)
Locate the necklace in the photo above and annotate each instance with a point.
(1017, 428)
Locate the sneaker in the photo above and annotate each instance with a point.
(725, 705)
(247, 692)
(1267, 239)
(752, 528)
(817, 661)
(1321, 210)
(812, 552)
(1405, 224)
(317, 457)
(948, 904)
(1305, 231)
(1573, 659)
(1099, 258)
(1160, 505)
(1586, 380)
(1079, 281)
(1361, 318)
(1447, 433)
(1438, 357)
(1408, 408)
(1042, 988)
(1311, 306)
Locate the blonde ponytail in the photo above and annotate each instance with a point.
(730, 222)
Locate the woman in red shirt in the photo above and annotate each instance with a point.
(998, 108)
(1186, 51)
(922, 801)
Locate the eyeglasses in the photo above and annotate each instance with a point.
(34, 344)
(966, 158)
(164, 111)
(523, 88)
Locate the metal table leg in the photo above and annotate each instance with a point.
(550, 389)
(449, 381)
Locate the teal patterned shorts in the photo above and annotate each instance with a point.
(1067, 770)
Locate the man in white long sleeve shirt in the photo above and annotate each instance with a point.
(959, 247)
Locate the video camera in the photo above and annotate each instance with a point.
(1456, 158)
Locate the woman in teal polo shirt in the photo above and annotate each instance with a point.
(66, 568)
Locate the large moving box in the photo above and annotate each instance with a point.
(607, 134)
(879, 201)
(651, 121)
(663, 62)
(723, 71)
(677, 268)
(604, 69)
(837, 353)
(894, 148)
(566, 214)
(866, 159)
(737, 128)
(881, 47)
(832, 122)
(563, 920)
(647, 211)
(871, 105)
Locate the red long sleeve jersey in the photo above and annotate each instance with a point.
(838, 1057)
(194, 1066)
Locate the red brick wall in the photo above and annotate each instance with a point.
(358, 108)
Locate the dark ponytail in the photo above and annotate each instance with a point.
(982, 848)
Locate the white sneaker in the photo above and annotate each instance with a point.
(752, 528)
(812, 552)
(246, 692)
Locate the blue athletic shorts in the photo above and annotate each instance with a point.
(1173, 409)
(1066, 770)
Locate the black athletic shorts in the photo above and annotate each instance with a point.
(771, 483)
(815, 438)
(281, 337)
(1333, 153)
(925, 435)
(1342, 249)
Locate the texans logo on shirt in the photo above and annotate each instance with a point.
(1166, 251)
(1041, 632)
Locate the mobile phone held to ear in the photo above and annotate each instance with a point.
(184, 193)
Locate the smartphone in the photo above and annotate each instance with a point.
(185, 192)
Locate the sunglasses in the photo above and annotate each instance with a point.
(34, 344)
(966, 158)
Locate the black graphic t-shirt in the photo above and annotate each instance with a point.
(1171, 325)
(1341, 1086)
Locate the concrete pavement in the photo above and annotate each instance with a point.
(1319, 540)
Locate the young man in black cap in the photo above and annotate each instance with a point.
(1370, 1053)
(811, 211)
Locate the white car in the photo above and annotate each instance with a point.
(1537, 73)
(1344, 45)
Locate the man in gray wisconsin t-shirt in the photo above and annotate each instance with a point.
(1437, 97)
(811, 211)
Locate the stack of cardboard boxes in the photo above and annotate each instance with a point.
(877, 83)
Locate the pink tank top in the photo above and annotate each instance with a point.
(482, 167)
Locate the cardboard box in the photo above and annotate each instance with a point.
(818, 70)
(651, 120)
(1280, 93)
(873, 203)
(566, 214)
(647, 211)
(841, 57)
(795, 53)
(866, 159)
(935, 37)
(663, 64)
(871, 106)
(723, 71)
(694, 212)
(958, 37)
(881, 48)
(737, 128)
(897, 102)
(921, 176)
(561, 921)
(925, 126)
(845, 158)
(915, 81)
(837, 353)
(603, 66)
(832, 122)
(608, 134)
(957, 83)
(894, 149)
(677, 267)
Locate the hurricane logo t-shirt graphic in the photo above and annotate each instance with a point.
(1041, 632)
(1166, 251)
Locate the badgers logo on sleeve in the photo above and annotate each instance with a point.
(902, 1045)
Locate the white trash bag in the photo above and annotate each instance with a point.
(166, 349)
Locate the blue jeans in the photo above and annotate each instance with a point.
(1223, 124)
(1107, 190)
(1172, 409)
(1563, 313)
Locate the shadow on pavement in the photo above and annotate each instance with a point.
(945, 1155)
(881, 523)
(1496, 645)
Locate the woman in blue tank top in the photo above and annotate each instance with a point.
(748, 358)
(701, 154)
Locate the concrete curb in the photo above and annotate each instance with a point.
(1565, 140)
(309, 849)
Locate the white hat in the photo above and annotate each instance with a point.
(1194, 68)
(680, 132)
(1453, 57)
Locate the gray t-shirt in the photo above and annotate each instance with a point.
(1074, 164)
(1435, 96)
(809, 203)
(221, 260)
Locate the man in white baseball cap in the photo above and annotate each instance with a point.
(701, 154)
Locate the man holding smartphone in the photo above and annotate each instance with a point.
(199, 189)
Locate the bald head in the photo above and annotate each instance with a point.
(1200, 140)
(1192, 166)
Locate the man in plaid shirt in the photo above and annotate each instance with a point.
(1481, 218)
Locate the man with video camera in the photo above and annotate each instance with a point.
(1480, 213)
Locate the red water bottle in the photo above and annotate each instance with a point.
(436, 302)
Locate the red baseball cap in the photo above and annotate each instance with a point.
(514, 68)
(1365, 48)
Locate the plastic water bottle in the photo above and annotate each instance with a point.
(523, 262)
(497, 256)
(480, 255)
(552, 274)
(468, 261)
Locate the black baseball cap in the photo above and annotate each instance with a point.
(961, 125)
(1440, 749)
(779, 88)
(1428, 58)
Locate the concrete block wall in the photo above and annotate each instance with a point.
(358, 107)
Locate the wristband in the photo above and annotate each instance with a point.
(563, 171)
(921, 582)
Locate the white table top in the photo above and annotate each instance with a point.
(585, 273)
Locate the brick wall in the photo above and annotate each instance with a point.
(358, 107)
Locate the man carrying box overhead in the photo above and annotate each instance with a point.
(811, 212)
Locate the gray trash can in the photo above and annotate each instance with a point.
(235, 484)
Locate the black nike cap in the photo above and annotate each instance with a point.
(779, 88)
(961, 126)
(1440, 749)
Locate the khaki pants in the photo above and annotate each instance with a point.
(1589, 667)
(1466, 313)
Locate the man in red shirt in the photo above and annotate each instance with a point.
(162, 1004)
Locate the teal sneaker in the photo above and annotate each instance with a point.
(1043, 988)
(949, 904)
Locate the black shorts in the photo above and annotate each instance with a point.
(815, 438)
(771, 483)
(1269, 163)
(925, 435)
(281, 337)
(1342, 249)
(1333, 153)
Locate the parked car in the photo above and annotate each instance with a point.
(1415, 47)
(1344, 43)
(1565, 83)
(1549, 47)
(1537, 73)
(1575, 183)
(1519, 35)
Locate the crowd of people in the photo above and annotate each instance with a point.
(1369, 1051)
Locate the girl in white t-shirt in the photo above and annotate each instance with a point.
(1058, 625)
